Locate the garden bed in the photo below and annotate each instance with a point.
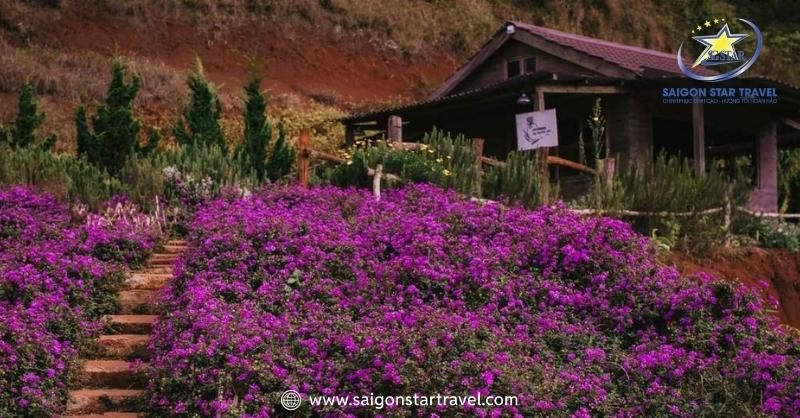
(328, 292)
(58, 275)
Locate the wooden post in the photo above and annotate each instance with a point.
(303, 158)
(609, 168)
(543, 152)
(698, 138)
(477, 147)
(349, 135)
(376, 181)
(726, 222)
(395, 129)
(765, 195)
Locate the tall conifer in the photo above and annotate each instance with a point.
(200, 124)
(257, 128)
(115, 130)
(29, 119)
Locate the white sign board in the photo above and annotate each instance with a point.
(537, 129)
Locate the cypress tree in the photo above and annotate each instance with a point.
(3, 133)
(115, 129)
(280, 160)
(257, 129)
(86, 143)
(29, 119)
(201, 117)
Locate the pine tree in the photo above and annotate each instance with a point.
(280, 160)
(3, 133)
(29, 119)
(115, 129)
(153, 138)
(257, 129)
(201, 117)
(86, 143)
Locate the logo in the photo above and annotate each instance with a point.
(724, 49)
(290, 400)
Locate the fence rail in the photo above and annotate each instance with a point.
(306, 154)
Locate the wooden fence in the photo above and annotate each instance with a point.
(306, 154)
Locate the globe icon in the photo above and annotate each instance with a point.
(290, 400)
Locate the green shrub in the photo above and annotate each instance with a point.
(670, 184)
(789, 180)
(518, 180)
(281, 158)
(143, 177)
(774, 233)
(211, 161)
(410, 166)
(457, 156)
(61, 175)
(441, 159)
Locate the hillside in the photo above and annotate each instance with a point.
(341, 53)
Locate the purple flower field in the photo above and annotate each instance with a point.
(328, 292)
(58, 275)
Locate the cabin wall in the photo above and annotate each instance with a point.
(494, 69)
(629, 125)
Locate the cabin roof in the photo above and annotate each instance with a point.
(629, 57)
(614, 59)
(622, 64)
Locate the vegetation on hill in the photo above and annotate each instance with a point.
(67, 66)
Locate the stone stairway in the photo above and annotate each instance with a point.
(110, 386)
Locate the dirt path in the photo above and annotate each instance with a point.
(110, 386)
(781, 268)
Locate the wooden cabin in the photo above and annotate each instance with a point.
(525, 67)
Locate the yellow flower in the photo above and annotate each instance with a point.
(439, 160)
(446, 172)
(349, 162)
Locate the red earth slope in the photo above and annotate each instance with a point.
(296, 60)
(780, 268)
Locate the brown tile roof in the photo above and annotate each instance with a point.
(629, 57)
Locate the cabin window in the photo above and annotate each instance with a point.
(513, 69)
(530, 65)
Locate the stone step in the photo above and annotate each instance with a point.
(180, 242)
(121, 346)
(156, 270)
(175, 248)
(148, 281)
(133, 302)
(165, 256)
(160, 262)
(98, 401)
(115, 374)
(130, 324)
(107, 415)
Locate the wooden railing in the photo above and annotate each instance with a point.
(306, 154)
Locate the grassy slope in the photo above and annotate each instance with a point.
(338, 52)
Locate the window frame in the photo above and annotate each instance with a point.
(517, 63)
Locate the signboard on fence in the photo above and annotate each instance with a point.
(537, 130)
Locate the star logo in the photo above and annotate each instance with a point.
(719, 47)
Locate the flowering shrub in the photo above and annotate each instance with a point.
(329, 292)
(53, 289)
